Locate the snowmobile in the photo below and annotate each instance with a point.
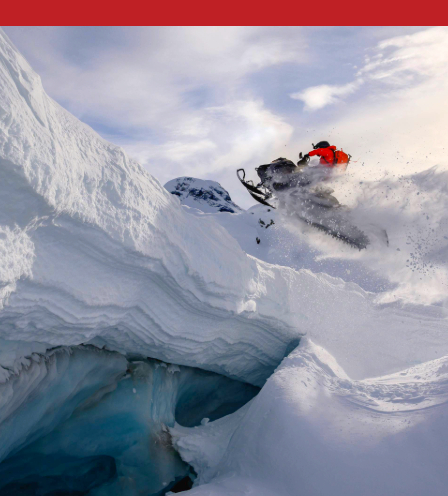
(298, 191)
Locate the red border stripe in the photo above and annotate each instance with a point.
(231, 12)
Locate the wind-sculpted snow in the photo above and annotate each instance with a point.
(17, 256)
(313, 431)
(97, 248)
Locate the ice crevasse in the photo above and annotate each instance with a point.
(95, 253)
(81, 420)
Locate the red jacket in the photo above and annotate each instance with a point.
(326, 155)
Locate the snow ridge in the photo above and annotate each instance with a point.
(102, 250)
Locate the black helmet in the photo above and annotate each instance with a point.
(321, 144)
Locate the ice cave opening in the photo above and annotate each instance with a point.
(80, 420)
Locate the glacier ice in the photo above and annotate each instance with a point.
(87, 420)
(49, 388)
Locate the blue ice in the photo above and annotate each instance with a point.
(97, 424)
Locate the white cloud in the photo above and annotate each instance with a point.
(399, 63)
(398, 122)
(151, 76)
(204, 101)
(238, 134)
(317, 97)
(425, 53)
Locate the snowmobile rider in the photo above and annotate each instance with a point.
(329, 157)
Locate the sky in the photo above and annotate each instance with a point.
(204, 101)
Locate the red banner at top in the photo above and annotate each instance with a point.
(229, 13)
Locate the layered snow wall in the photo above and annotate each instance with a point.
(95, 248)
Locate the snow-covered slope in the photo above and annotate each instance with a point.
(411, 267)
(365, 327)
(96, 248)
(313, 431)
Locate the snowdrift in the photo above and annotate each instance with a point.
(95, 248)
(313, 431)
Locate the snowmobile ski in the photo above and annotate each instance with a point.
(256, 193)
